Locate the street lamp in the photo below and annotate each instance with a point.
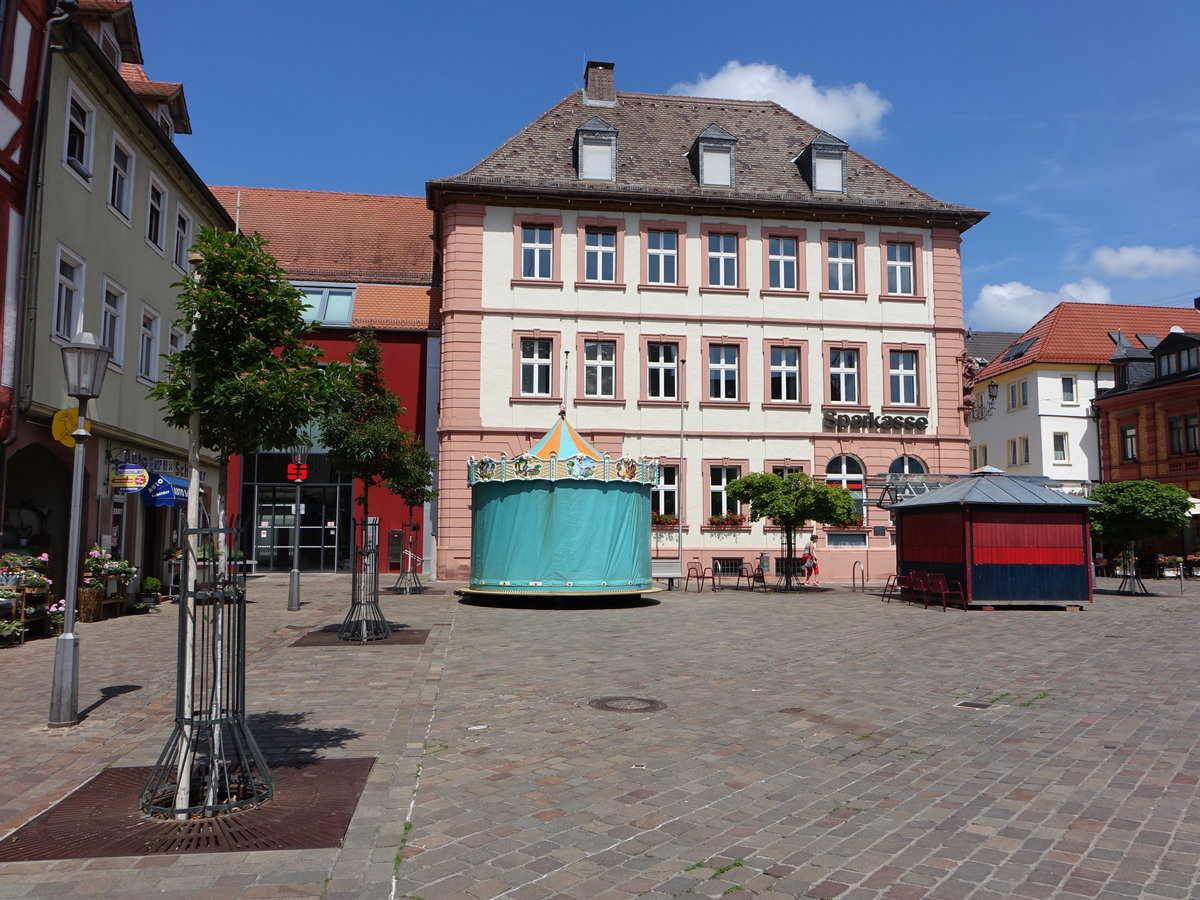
(297, 471)
(85, 363)
(981, 412)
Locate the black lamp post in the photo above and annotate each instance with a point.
(85, 363)
(981, 412)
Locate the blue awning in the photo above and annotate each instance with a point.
(164, 490)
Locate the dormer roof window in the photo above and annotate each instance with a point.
(715, 150)
(596, 150)
(823, 164)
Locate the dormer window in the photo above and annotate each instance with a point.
(715, 151)
(110, 49)
(164, 122)
(596, 150)
(823, 164)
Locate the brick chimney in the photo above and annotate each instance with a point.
(598, 85)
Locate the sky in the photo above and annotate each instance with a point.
(1075, 123)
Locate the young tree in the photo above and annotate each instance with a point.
(1134, 510)
(362, 435)
(790, 501)
(245, 380)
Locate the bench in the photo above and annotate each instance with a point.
(670, 569)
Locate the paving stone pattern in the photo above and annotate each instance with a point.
(810, 747)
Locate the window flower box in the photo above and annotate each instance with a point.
(728, 520)
(663, 521)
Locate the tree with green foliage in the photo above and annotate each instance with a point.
(1131, 511)
(790, 501)
(361, 433)
(246, 377)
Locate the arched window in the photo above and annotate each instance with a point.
(907, 465)
(847, 472)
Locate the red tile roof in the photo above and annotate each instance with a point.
(170, 92)
(1078, 333)
(333, 236)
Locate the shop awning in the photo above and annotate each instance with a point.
(164, 490)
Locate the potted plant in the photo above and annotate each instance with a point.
(1193, 561)
(663, 520)
(727, 520)
(1170, 566)
(57, 613)
(1126, 562)
(10, 628)
(151, 587)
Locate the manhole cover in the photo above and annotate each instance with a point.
(972, 704)
(627, 704)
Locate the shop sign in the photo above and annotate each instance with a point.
(129, 478)
(870, 420)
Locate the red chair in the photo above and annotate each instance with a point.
(917, 589)
(945, 589)
(895, 587)
(699, 573)
(753, 576)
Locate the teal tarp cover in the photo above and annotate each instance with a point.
(561, 536)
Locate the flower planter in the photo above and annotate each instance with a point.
(88, 604)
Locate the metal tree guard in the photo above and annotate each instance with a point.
(365, 620)
(211, 764)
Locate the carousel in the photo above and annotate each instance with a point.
(561, 518)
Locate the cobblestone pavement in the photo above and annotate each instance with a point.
(810, 746)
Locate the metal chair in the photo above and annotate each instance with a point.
(895, 587)
(946, 590)
(699, 573)
(917, 589)
(753, 576)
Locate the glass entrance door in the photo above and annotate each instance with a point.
(323, 520)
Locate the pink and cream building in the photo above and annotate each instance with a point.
(716, 283)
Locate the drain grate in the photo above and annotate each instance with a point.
(972, 704)
(627, 704)
(311, 811)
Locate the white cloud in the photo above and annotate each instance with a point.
(847, 111)
(1147, 262)
(1014, 306)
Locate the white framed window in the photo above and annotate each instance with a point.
(183, 238)
(722, 260)
(1129, 442)
(662, 371)
(828, 169)
(599, 368)
(176, 340)
(847, 472)
(841, 266)
(596, 158)
(718, 503)
(716, 165)
(168, 128)
(328, 304)
(723, 371)
(68, 295)
(537, 251)
(535, 366)
(902, 378)
(664, 498)
(80, 138)
(907, 465)
(156, 214)
(148, 345)
(600, 255)
(785, 374)
(662, 257)
(1018, 451)
(1061, 448)
(1024, 447)
(781, 263)
(979, 456)
(900, 268)
(1070, 393)
(120, 188)
(112, 321)
(843, 375)
(1018, 394)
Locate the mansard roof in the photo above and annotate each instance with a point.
(656, 133)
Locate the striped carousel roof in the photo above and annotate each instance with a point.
(564, 442)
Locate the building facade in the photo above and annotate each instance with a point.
(1042, 421)
(715, 283)
(362, 261)
(1150, 419)
(117, 212)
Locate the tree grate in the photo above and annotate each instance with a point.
(311, 810)
(328, 637)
